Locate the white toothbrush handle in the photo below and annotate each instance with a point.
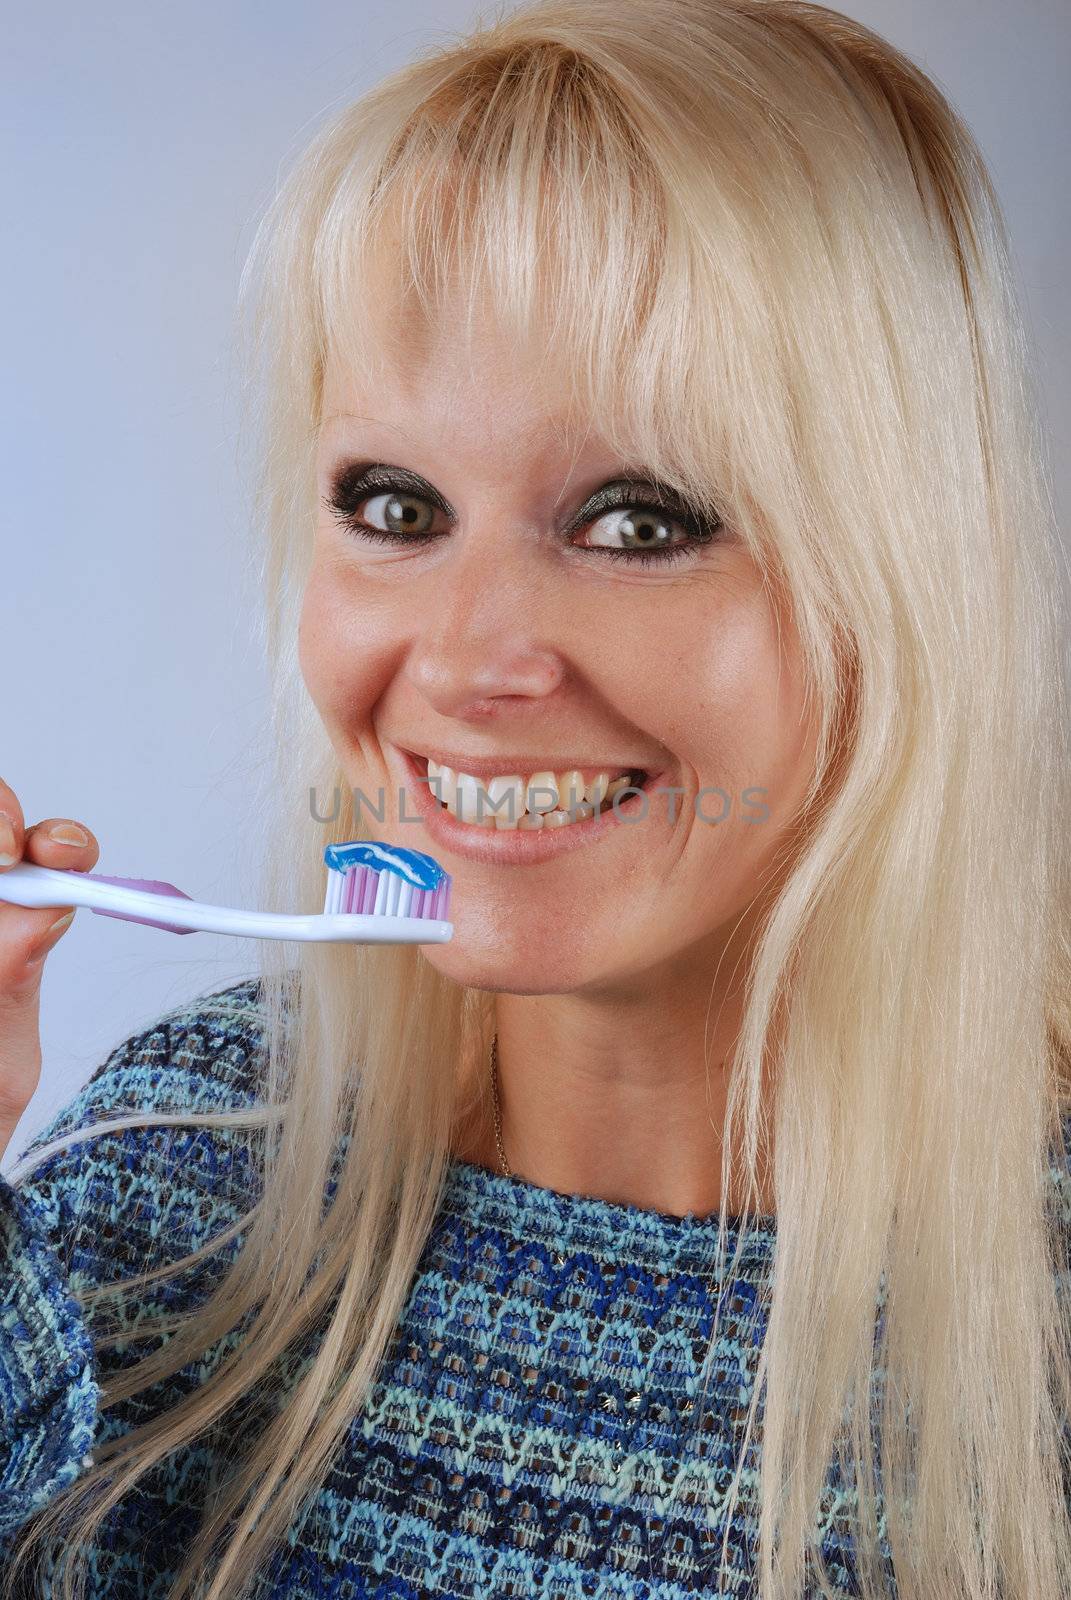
(27, 884)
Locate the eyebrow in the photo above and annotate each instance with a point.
(630, 470)
(357, 416)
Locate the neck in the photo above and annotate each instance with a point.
(624, 1101)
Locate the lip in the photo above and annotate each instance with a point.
(510, 846)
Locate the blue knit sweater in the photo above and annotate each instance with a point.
(529, 1433)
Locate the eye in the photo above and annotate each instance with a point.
(639, 524)
(640, 527)
(403, 510)
(398, 515)
(637, 527)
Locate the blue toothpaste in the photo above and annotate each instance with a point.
(412, 866)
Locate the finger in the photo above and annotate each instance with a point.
(27, 937)
(60, 842)
(11, 826)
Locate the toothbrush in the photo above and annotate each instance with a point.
(376, 894)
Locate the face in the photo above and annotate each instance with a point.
(499, 626)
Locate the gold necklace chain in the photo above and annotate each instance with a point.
(506, 1172)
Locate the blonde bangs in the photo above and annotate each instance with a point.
(521, 199)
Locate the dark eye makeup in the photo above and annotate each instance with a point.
(656, 509)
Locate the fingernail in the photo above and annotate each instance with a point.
(68, 833)
(50, 938)
(7, 842)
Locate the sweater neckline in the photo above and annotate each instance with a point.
(612, 1232)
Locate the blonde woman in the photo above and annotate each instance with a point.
(645, 409)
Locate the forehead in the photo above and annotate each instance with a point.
(467, 396)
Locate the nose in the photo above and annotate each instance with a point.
(485, 643)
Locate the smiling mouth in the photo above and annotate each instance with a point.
(499, 804)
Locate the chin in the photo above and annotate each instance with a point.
(501, 971)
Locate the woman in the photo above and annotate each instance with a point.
(645, 401)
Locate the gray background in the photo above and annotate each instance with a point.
(143, 143)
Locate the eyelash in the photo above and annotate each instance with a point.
(348, 491)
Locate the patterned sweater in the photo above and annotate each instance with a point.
(528, 1434)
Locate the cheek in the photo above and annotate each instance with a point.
(731, 702)
(344, 649)
(768, 746)
(314, 649)
(761, 692)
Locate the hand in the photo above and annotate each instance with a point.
(26, 937)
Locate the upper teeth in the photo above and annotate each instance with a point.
(546, 799)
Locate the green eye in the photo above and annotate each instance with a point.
(644, 523)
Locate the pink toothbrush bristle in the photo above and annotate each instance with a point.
(360, 890)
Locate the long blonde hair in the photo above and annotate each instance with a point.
(756, 243)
